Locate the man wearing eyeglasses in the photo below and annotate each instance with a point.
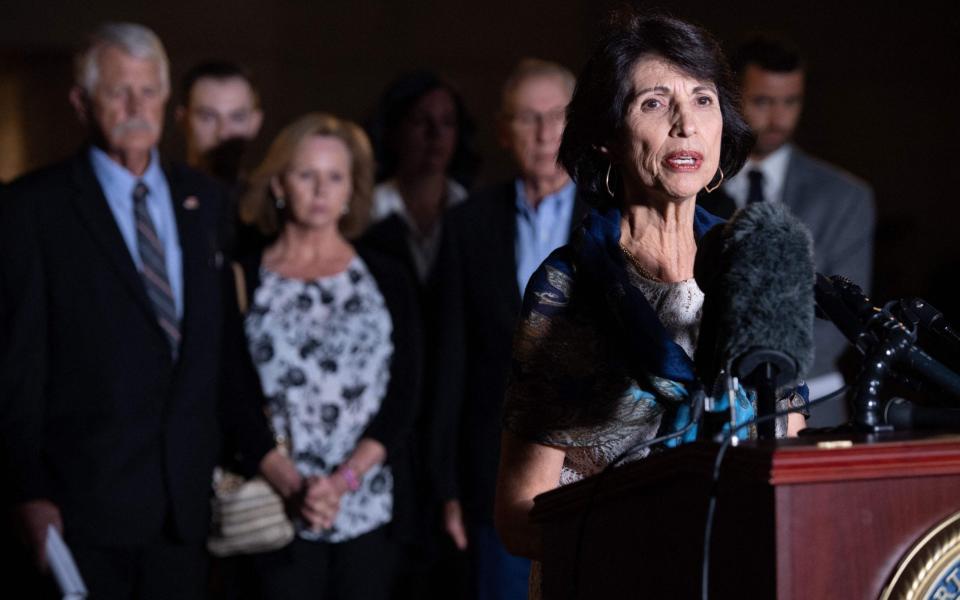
(492, 244)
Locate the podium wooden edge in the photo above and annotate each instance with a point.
(783, 462)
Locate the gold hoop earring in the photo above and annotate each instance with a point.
(711, 190)
(606, 181)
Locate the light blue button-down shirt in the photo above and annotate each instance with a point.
(542, 230)
(117, 184)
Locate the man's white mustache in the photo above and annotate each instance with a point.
(133, 125)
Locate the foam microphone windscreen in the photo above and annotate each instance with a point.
(757, 274)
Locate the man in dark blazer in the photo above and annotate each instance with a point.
(491, 245)
(837, 207)
(112, 327)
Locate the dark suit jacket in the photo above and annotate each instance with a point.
(389, 237)
(478, 304)
(96, 416)
(839, 211)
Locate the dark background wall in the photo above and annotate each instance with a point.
(882, 87)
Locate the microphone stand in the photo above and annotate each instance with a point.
(876, 367)
(765, 370)
(884, 341)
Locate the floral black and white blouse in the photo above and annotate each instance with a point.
(323, 350)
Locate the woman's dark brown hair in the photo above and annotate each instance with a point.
(596, 115)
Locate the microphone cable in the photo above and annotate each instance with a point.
(696, 414)
(712, 505)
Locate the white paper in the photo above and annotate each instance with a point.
(63, 567)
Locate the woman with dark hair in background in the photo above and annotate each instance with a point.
(333, 331)
(603, 354)
(423, 143)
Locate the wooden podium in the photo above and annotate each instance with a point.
(807, 518)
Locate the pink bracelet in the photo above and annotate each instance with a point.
(353, 484)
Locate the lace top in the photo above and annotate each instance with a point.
(679, 306)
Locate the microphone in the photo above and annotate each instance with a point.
(921, 312)
(844, 304)
(903, 414)
(757, 275)
(875, 331)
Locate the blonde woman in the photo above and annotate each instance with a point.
(333, 333)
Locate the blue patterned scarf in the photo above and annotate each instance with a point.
(644, 346)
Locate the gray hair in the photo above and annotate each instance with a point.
(136, 40)
(529, 68)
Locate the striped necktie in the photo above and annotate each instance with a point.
(154, 271)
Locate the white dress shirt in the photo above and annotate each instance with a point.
(774, 169)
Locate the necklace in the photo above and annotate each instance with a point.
(636, 264)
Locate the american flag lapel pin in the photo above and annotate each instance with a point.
(191, 203)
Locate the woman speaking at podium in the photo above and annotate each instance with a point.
(602, 356)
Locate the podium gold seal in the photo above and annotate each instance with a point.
(931, 569)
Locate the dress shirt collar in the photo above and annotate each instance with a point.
(387, 200)
(774, 169)
(115, 178)
(557, 200)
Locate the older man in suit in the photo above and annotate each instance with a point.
(836, 207)
(492, 243)
(112, 333)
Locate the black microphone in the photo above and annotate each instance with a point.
(842, 303)
(866, 325)
(923, 313)
(757, 275)
(883, 340)
(903, 414)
